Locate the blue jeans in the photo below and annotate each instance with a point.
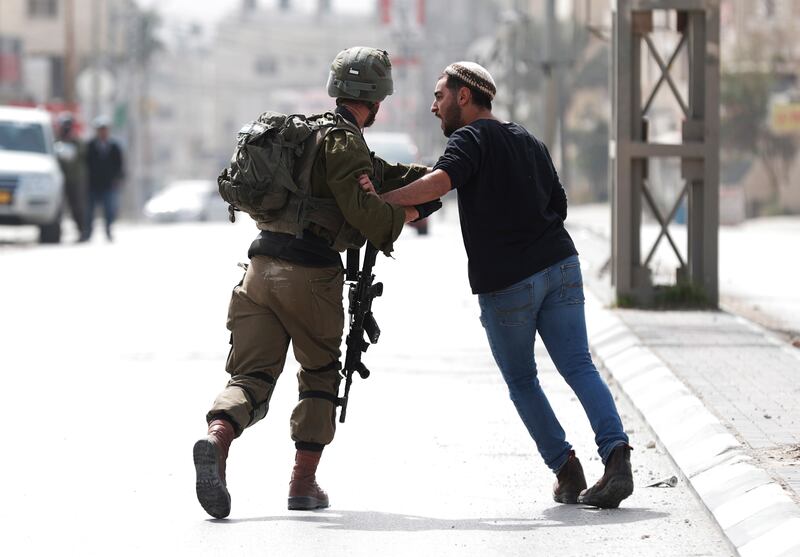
(550, 302)
(109, 199)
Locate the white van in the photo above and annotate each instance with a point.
(31, 182)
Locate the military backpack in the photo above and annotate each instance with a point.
(269, 176)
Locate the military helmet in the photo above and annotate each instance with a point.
(66, 121)
(66, 117)
(361, 73)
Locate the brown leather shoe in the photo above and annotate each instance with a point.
(616, 483)
(210, 456)
(304, 492)
(570, 481)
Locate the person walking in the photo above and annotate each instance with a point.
(71, 154)
(105, 167)
(524, 268)
(292, 290)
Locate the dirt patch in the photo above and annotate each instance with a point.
(788, 455)
(754, 313)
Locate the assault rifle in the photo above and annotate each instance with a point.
(361, 294)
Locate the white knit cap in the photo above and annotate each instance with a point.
(474, 75)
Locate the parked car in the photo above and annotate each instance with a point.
(31, 182)
(393, 146)
(400, 148)
(185, 201)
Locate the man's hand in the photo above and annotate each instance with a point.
(366, 184)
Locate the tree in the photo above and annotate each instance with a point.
(745, 131)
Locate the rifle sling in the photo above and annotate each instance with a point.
(352, 264)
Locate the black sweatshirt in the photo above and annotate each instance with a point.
(511, 203)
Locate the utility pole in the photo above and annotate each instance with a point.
(95, 101)
(550, 69)
(69, 52)
(515, 29)
(554, 66)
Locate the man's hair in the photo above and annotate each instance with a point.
(478, 97)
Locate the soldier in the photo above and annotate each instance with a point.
(292, 291)
(72, 159)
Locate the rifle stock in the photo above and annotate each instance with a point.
(361, 294)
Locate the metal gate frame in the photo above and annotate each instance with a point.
(630, 150)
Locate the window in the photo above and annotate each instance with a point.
(57, 77)
(22, 136)
(43, 9)
(766, 9)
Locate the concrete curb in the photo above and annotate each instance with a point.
(756, 515)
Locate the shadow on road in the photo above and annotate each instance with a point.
(17, 243)
(365, 521)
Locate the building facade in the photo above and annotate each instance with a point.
(760, 43)
(61, 41)
(274, 55)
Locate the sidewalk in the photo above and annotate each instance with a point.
(720, 394)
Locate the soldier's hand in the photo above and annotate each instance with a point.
(366, 184)
(427, 209)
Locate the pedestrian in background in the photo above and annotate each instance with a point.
(525, 270)
(71, 153)
(292, 290)
(105, 167)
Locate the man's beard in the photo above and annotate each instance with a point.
(451, 119)
(373, 111)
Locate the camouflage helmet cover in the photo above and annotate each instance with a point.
(361, 73)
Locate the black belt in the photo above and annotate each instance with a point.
(310, 250)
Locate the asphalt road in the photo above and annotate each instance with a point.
(113, 353)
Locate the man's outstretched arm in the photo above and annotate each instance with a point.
(431, 186)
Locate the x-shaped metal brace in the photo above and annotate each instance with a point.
(665, 75)
(664, 222)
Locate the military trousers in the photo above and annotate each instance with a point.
(279, 302)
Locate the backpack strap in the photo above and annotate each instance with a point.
(305, 164)
(303, 208)
(327, 122)
(320, 210)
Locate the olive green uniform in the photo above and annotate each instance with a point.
(73, 169)
(280, 300)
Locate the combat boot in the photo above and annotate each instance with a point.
(616, 483)
(304, 492)
(210, 456)
(570, 481)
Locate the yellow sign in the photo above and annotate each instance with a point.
(785, 118)
(5, 197)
